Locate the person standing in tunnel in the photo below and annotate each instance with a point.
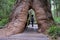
(32, 20)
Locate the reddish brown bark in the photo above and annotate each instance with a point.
(43, 14)
(17, 23)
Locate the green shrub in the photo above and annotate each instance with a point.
(5, 9)
(54, 31)
(3, 22)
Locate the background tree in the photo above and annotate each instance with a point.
(55, 4)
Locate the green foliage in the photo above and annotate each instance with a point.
(57, 19)
(3, 22)
(55, 4)
(54, 31)
(5, 9)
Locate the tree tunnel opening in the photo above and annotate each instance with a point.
(29, 26)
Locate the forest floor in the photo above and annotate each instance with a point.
(29, 34)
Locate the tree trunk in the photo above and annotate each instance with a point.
(18, 17)
(18, 20)
(43, 14)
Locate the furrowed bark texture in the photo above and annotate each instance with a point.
(18, 21)
(43, 14)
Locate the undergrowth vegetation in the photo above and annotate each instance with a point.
(54, 31)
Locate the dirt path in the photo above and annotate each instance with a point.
(29, 34)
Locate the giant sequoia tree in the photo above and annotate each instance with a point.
(19, 14)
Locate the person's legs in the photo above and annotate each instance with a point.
(32, 24)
